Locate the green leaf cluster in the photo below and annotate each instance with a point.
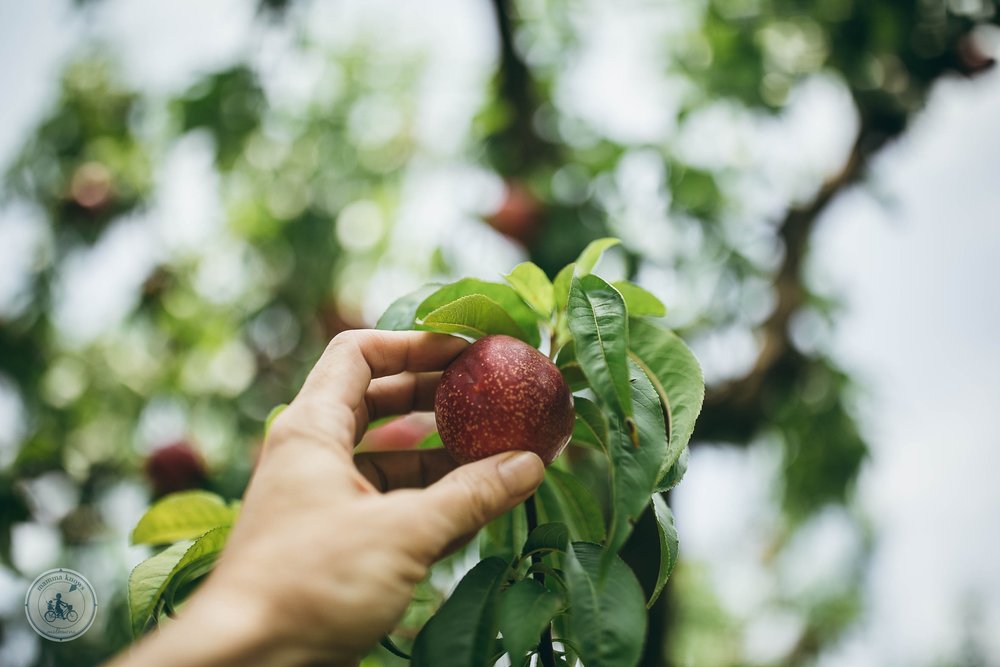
(195, 524)
(637, 393)
(503, 607)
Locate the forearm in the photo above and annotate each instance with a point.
(214, 630)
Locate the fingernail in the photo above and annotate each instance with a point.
(521, 472)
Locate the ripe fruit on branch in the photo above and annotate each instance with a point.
(502, 394)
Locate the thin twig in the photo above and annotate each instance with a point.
(546, 654)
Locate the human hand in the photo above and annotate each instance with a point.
(328, 546)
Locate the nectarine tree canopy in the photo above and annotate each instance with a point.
(328, 204)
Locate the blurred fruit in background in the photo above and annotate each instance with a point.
(520, 215)
(91, 186)
(176, 466)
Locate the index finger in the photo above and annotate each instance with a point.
(324, 410)
(353, 358)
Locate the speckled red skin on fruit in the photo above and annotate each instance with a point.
(499, 395)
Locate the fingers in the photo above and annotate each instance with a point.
(476, 493)
(324, 412)
(353, 358)
(396, 395)
(401, 470)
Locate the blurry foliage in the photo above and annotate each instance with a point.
(84, 166)
(228, 104)
(288, 180)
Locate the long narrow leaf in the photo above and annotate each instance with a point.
(634, 468)
(677, 377)
(599, 325)
(608, 617)
(668, 545)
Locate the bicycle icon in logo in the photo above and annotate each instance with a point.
(59, 609)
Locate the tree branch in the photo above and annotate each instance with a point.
(732, 411)
(517, 147)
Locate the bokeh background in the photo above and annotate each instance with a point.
(197, 195)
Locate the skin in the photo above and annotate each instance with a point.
(329, 545)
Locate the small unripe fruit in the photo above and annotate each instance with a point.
(502, 394)
(175, 467)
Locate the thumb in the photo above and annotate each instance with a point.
(474, 494)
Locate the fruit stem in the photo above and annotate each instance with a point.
(546, 655)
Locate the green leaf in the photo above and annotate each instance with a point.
(197, 561)
(554, 580)
(156, 581)
(474, 315)
(531, 283)
(401, 315)
(432, 441)
(272, 415)
(182, 516)
(677, 377)
(566, 355)
(577, 506)
(500, 294)
(599, 324)
(504, 536)
(570, 368)
(574, 377)
(640, 302)
(634, 469)
(608, 619)
(668, 545)
(463, 632)
(547, 537)
(561, 286)
(588, 259)
(591, 424)
(675, 473)
(526, 609)
(146, 583)
(583, 436)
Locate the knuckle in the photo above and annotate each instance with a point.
(301, 422)
(350, 337)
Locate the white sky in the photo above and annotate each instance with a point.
(922, 273)
(916, 255)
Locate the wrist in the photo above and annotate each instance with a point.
(238, 627)
(255, 624)
(217, 627)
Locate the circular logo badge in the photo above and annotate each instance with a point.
(61, 604)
